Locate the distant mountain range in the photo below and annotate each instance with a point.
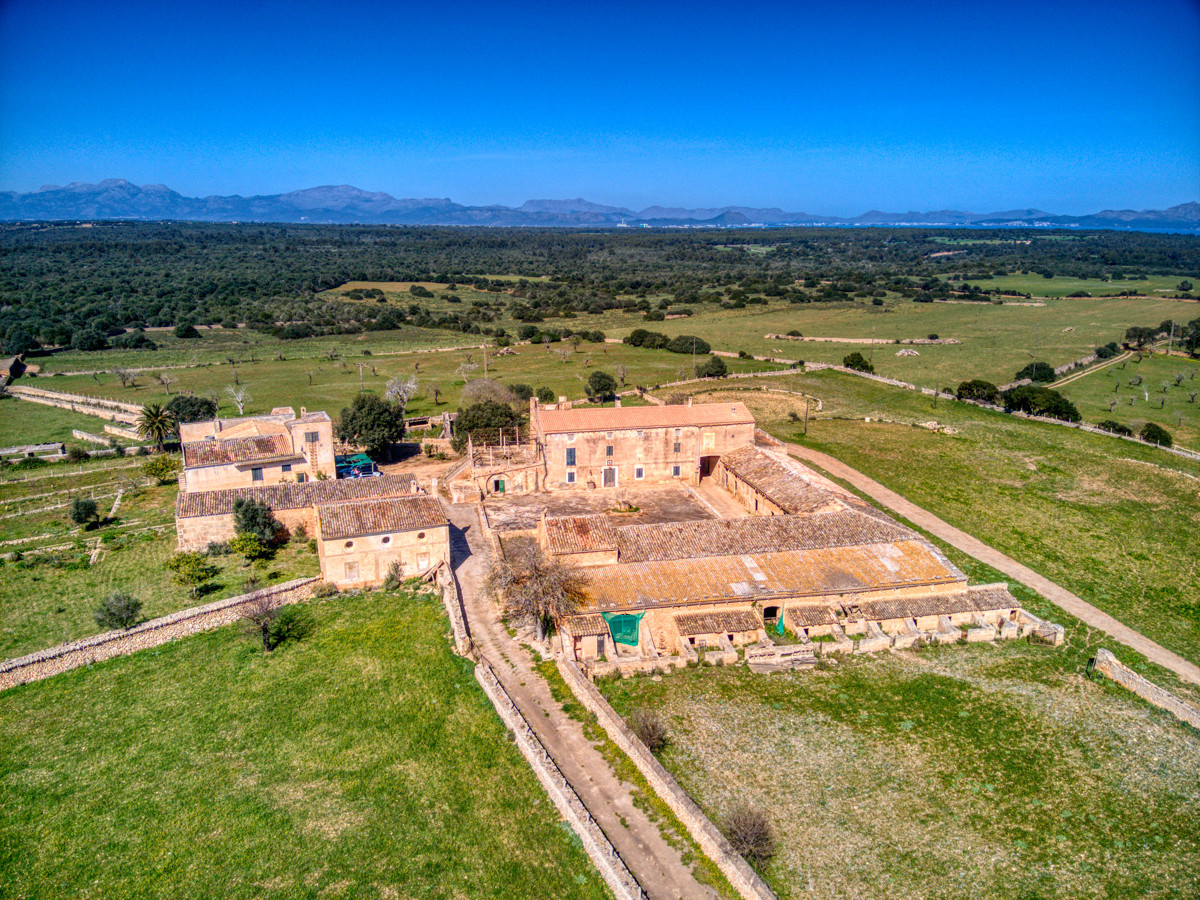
(342, 204)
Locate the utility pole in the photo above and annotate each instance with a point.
(361, 366)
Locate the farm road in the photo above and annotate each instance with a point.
(655, 864)
(1056, 594)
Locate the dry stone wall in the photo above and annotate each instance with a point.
(741, 875)
(605, 856)
(64, 657)
(1112, 668)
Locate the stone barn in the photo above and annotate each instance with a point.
(359, 541)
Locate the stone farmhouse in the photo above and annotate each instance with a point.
(362, 525)
(257, 450)
(808, 563)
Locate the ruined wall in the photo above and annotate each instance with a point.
(1112, 668)
(65, 657)
(741, 875)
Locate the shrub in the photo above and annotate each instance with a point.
(83, 511)
(186, 330)
(249, 545)
(546, 395)
(749, 831)
(324, 589)
(650, 729)
(75, 453)
(184, 408)
(1155, 434)
(521, 391)
(601, 386)
(933, 336)
(293, 623)
(118, 610)
(1115, 427)
(977, 389)
(299, 534)
(216, 548)
(395, 577)
(794, 333)
(858, 362)
(1040, 372)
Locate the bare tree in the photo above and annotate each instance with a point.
(749, 831)
(622, 373)
(259, 612)
(310, 375)
(436, 390)
(240, 396)
(532, 587)
(126, 377)
(401, 390)
(485, 389)
(166, 381)
(464, 371)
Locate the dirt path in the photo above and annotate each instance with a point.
(654, 863)
(1060, 596)
(1104, 365)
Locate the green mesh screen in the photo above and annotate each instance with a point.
(624, 627)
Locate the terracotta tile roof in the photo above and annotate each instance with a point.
(294, 496)
(580, 534)
(567, 421)
(251, 428)
(583, 626)
(361, 517)
(779, 483)
(218, 452)
(791, 573)
(977, 599)
(728, 621)
(808, 615)
(754, 534)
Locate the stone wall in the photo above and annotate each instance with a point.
(1112, 668)
(741, 875)
(603, 854)
(65, 657)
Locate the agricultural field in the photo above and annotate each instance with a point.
(1112, 521)
(331, 384)
(48, 595)
(361, 761)
(1138, 387)
(1064, 286)
(956, 772)
(32, 423)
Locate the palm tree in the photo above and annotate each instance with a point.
(156, 424)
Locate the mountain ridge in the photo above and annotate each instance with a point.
(118, 199)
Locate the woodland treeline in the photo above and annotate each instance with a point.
(60, 281)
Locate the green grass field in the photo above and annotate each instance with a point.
(1115, 522)
(957, 772)
(363, 761)
(334, 384)
(32, 423)
(1062, 286)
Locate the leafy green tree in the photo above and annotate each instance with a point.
(601, 386)
(546, 395)
(1115, 427)
(186, 408)
(89, 339)
(1155, 434)
(18, 342)
(191, 570)
(714, 367)
(118, 610)
(1139, 336)
(1040, 372)
(521, 391)
(857, 362)
(83, 512)
(1040, 401)
(156, 424)
(162, 468)
(254, 517)
(372, 423)
(978, 389)
(689, 343)
(482, 422)
(186, 330)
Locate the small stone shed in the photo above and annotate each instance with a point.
(359, 541)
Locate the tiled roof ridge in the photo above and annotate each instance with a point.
(294, 495)
(356, 518)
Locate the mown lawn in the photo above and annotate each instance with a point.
(957, 772)
(1112, 521)
(363, 761)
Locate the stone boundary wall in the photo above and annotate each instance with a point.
(603, 854)
(84, 652)
(741, 875)
(83, 405)
(841, 340)
(64, 397)
(1113, 669)
(452, 600)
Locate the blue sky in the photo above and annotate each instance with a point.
(829, 108)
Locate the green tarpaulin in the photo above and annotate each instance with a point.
(624, 627)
